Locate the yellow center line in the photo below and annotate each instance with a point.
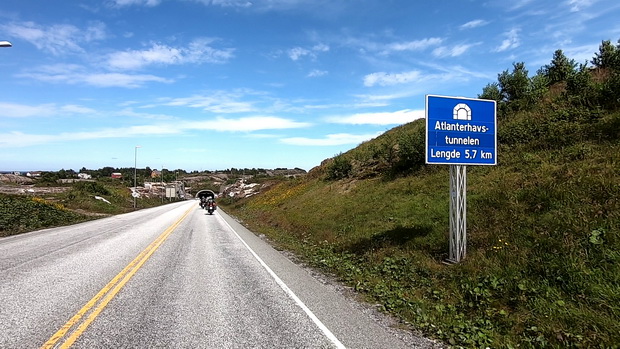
(108, 292)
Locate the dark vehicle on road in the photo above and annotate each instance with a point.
(207, 200)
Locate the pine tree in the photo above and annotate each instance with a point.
(560, 69)
(514, 86)
(608, 56)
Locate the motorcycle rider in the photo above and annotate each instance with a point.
(211, 204)
(203, 201)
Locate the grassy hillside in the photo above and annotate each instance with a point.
(20, 214)
(543, 262)
(23, 213)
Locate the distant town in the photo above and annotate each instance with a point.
(146, 182)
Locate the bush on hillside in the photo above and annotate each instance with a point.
(410, 150)
(339, 168)
(92, 188)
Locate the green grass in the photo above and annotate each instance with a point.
(543, 260)
(19, 214)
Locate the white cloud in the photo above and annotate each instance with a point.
(297, 53)
(149, 3)
(14, 110)
(74, 74)
(416, 45)
(317, 73)
(387, 46)
(223, 102)
(384, 118)
(226, 3)
(57, 39)
(387, 79)
(512, 41)
(76, 109)
(417, 82)
(271, 5)
(456, 72)
(20, 139)
(120, 80)
(380, 100)
(452, 52)
(320, 48)
(133, 59)
(516, 4)
(330, 140)
(236, 101)
(129, 112)
(474, 24)
(245, 124)
(578, 5)
(198, 51)
(581, 53)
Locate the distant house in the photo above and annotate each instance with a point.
(117, 175)
(84, 176)
(155, 174)
(34, 174)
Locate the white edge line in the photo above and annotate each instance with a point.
(289, 292)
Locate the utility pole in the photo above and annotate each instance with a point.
(135, 175)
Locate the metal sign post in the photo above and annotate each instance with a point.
(458, 213)
(460, 132)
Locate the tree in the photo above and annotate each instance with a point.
(49, 178)
(514, 86)
(560, 69)
(608, 56)
(491, 91)
(580, 88)
(539, 85)
(107, 171)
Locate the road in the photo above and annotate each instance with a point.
(172, 277)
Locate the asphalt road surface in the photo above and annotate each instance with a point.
(172, 277)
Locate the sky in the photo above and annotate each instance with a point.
(218, 84)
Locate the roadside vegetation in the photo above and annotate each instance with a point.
(19, 214)
(81, 201)
(543, 255)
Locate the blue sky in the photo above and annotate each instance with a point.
(215, 84)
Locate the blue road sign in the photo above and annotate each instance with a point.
(460, 131)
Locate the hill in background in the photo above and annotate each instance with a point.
(543, 259)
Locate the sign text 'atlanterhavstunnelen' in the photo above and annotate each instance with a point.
(460, 131)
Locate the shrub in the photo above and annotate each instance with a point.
(339, 168)
(92, 188)
(20, 214)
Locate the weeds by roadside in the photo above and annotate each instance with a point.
(19, 214)
(23, 213)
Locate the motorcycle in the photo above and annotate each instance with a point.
(207, 200)
(211, 207)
